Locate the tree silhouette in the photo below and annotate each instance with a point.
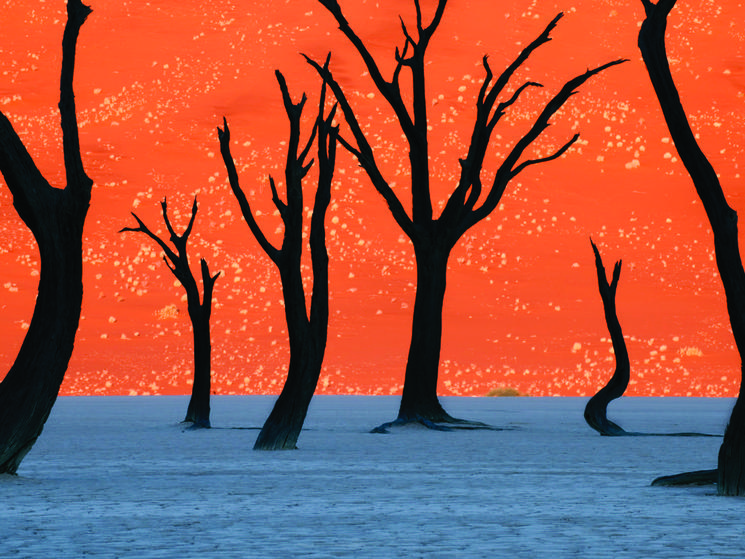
(307, 331)
(730, 472)
(471, 200)
(55, 216)
(198, 411)
(596, 409)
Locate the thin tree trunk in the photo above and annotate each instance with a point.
(198, 411)
(596, 409)
(308, 331)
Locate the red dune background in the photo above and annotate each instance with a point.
(153, 81)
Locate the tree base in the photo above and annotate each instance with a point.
(194, 425)
(699, 477)
(446, 423)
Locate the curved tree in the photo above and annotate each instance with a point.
(471, 200)
(730, 472)
(307, 331)
(55, 216)
(198, 411)
(596, 409)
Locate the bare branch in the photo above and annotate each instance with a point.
(508, 169)
(24, 180)
(425, 33)
(389, 90)
(469, 182)
(364, 152)
(502, 107)
(607, 290)
(280, 205)
(224, 139)
(189, 227)
(174, 236)
(558, 153)
(169, 254)
(208, 287)
(350, 148)
(77, 180)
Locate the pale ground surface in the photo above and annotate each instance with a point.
(117, 477)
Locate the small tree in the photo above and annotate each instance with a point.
(596, 409)
(307, 331)
(471, 200)
(730, 472)
(55, 217)
(198, 412)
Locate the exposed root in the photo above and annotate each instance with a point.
(195, 425)
(699, 477)
(623, 433)
(446, 423)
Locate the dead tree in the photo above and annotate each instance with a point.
(596, 413)
(307, 331)
(730, 472)
(55, 216)
(471, 200)
(198, 411)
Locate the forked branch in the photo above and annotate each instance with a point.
(511, 166)
(364, 152)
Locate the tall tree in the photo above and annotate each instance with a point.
(471, 200)
(307, 331)
(730, 471)
(55, 216)
(198, 411)
(596, 413)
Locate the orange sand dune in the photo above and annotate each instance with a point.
(155, 79)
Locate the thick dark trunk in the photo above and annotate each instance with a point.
(597, 408)
(419, 400)
(731, 459)
(284, 424)
(56, 218)
(307, 348)
(30, 388)
(723, 220)
(198, 411)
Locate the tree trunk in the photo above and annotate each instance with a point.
(30, 388)
(596, 409)
(55, 217)
(307, 347)
(723, 220)
(419, 400)
(282, 428)
(198, 411)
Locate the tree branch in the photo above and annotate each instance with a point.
(208, 286)
(558, 153)
(169, 254)
(224, 139)
(458, 207)
(509, 167)
(77, 180)
(364, 152)
(389, 90)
